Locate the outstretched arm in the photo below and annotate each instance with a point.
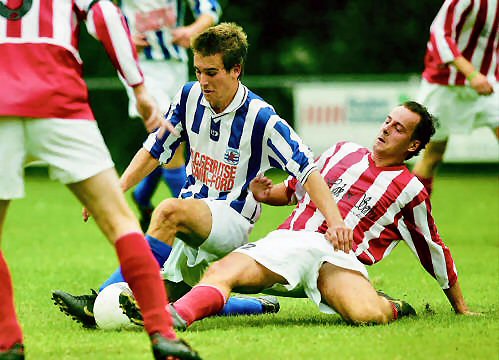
(142, 164)
(456, 299)
(433, 254)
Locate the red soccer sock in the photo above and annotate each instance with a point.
(427, 183)
(200, 302)
(10, 330)
(395, 311)
(141, 272)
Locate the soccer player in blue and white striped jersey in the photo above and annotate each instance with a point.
(232, 135)
(162, 38)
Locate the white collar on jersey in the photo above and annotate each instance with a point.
(236, 103)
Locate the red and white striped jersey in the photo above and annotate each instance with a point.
(382, 205)
(40, 66)
(467, 28)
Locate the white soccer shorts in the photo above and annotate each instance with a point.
(459, 109)
(297, 256)
(229, 231)
(74, 150)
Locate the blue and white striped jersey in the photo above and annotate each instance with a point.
(229, 149)
(156, 19)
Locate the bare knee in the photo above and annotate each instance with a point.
(364, 313)
(166, 218)
(352, 296)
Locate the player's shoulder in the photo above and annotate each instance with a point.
(257, 101)
(190, 86)
(259, 110)
(350, 146)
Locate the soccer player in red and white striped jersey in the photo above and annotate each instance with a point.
(45, 115)
(379, 199)
(460, 84)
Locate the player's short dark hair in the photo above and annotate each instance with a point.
(228, 39)
(424, 129)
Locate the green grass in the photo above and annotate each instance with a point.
(48, 247)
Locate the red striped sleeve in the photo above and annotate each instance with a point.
(422, 246)
(489, 50)
(124, 58)
(472, 45)
(462, 20)
(449, 28)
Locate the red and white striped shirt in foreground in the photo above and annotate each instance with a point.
(382, 206)
(41, 73)
(467, 28)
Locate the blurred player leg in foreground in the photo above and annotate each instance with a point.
(11, 338)
(51, 121)
(86, 157)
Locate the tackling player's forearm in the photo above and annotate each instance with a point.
(320, 194)
(456, 298)
(142, 164)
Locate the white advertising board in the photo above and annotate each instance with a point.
(326, 113)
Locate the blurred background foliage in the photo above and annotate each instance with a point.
(312, 38)
(320, 36)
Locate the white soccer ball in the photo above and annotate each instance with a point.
(107, 312)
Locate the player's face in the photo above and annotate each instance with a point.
(218, 85)
(394, 139)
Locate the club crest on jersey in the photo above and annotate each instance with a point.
(17, 13)
(231, 156)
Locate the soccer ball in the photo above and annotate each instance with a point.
(107, 312)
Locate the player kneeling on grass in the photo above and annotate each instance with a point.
(379, 199)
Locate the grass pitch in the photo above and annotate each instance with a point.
(48, 247)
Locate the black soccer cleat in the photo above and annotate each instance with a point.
(131, 309)
(403, 308)
(164, 348)
(15, 352)
(270, 304)
(80, 308)
(145, 213)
